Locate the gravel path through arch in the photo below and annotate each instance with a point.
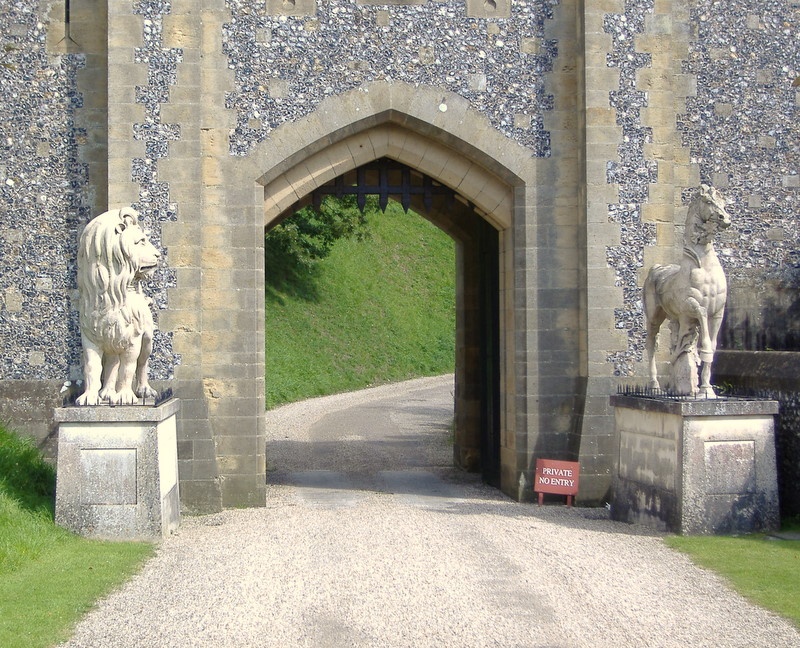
(371, 538)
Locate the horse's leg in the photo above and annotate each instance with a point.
(714, 324)
(706, 390)
(654, 316)
(654, 322)
(704, 347)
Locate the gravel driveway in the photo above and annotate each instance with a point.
(370, 538)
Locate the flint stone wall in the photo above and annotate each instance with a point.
(668, 93)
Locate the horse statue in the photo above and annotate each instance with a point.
(692, 296)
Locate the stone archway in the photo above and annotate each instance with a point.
(477, 215)
(217, 311)
(289, 183)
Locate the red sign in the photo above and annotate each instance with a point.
(556, 477)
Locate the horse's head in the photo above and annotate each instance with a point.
(707, 215)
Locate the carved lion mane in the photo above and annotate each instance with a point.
(114, 255)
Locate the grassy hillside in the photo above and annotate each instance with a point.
(374, 311)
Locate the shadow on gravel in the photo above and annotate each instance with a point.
(578, 518)
(361, 454)
(353, 467)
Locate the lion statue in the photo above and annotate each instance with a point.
(114, 255)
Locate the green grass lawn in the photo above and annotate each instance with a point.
(764, 570)
(375, 311)
(48, 576)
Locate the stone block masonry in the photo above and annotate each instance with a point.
(576, 129)
(118, 471)
(696, 467)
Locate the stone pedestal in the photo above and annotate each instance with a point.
(696, 466)
(117, 472)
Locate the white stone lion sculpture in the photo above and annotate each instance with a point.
(114, 255)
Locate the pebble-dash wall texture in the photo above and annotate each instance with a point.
(743, 129)
(633, 173)
(285, 66)
(43, 199)
(652, 95)
(153, 203)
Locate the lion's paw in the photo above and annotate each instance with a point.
(88, 398)
(146, 391)
(126, 397)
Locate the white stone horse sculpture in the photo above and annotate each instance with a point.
(692, 296)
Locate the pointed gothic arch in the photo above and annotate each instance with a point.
(474, 207)
(506, 214)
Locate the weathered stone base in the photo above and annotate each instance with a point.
(696, 466)
(118, 471)
(773, 375)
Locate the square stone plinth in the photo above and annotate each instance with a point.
(117, 471)
(696, 466)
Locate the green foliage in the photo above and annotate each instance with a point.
(24, 474)
(378, 309)
(294, 246)
(48, 576)
(791, 523)
(24, 534)
(27, 487)
(763, 569)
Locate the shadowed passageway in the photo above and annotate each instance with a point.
(387, 445)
